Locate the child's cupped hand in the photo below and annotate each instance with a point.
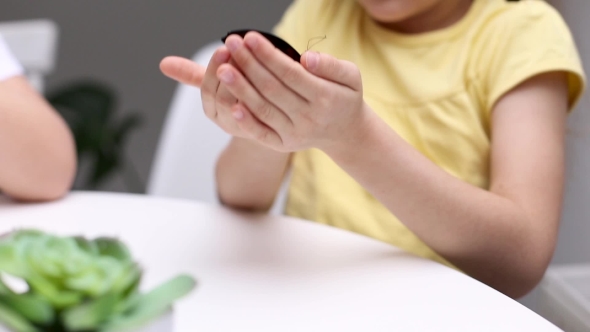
(217, 100)
(259, 93)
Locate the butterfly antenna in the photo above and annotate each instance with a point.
(317, 41)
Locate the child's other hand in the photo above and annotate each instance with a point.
(216, 98)
(289, 106)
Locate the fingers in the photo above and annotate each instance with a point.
(224, 96)
(291, 73)
(254, 129)
(210, 82)
(263, 80)
(183, 70)
(210, 86)
(249, 96)
(338, 71)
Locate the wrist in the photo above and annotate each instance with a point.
(357, 138)
(253, 148)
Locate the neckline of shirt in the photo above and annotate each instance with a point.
(374, 29)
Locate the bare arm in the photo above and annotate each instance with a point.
(504, 237)
(249, 175)
(37, 153)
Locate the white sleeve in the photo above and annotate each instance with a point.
(9, 66)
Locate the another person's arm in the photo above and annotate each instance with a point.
(37, 151)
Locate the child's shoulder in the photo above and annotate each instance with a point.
(520, 16)
(516, 40)
(506, 28)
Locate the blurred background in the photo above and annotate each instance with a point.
(120, 44)
(116, 46)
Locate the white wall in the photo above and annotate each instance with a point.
(574, 239)
(121, 43)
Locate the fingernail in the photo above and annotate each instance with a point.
(313, 59)
(238, 114)
(232, 45)
(226, 76)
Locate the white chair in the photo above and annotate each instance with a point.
(564, 297)
(34, 44)
(184, 164)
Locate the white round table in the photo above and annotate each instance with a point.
(268, 273)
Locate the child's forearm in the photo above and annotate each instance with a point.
(37, 152)
(488, 236)
(250, 175)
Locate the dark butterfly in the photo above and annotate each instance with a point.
(276, 41)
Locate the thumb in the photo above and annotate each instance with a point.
(332, 69)
(183, 70)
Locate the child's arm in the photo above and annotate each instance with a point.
(248, 174)
(37, 153)
(504, 237)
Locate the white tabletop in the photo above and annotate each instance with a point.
(265, 273)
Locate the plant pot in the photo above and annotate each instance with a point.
(164, 323)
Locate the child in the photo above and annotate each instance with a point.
(37, 153)
(451, 148)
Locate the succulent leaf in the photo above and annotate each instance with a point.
(133, 321)
(4, 290)
(126, 305)
(86, 245)
(60, 299)
(113, 247)
(30, 306)
(127, 279)
(9, 261)
(164, 295)
(153, 304)
(89, 315)
(12, 320)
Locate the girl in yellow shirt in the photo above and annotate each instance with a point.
(434, 125)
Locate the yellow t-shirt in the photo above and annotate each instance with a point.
(435, 89)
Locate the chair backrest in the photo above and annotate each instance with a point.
(34, 44)
(184, 164)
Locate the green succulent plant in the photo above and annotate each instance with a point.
(76, 284)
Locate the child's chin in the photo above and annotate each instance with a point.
(388, 18)
(394, 11)
(386, 14)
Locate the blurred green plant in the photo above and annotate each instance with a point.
(89, 109)
(76, 284)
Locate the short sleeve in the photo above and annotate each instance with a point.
(531, 39)
(9, 66)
